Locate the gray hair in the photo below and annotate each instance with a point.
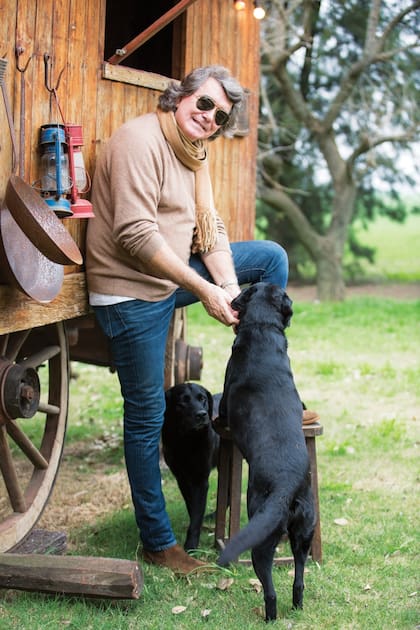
(168, 101)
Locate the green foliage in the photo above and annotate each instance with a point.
(319, 90)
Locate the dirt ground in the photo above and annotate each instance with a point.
(79, 497)
(406, 291)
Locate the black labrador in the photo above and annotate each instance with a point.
(190, 448)
(263, 410)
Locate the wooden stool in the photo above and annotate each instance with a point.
(229, 490)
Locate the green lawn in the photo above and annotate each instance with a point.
(397, 249)
(357, 364)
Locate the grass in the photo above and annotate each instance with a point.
(396, 246)
(357, 364)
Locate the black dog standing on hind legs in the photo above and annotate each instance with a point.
(263, 410)
(190, 448)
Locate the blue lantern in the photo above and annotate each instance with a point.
(55, 176)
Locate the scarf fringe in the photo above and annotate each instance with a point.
(205, 232)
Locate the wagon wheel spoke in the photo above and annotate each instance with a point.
(21, 439)
(41, 357)
(48, 408)
(10, 477)
(15, 343)
(3, 345)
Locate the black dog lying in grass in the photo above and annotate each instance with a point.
(190, 448)
(262, 408)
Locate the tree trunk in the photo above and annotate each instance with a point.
(329, 280)
(326, 251)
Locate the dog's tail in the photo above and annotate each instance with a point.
(271, 516)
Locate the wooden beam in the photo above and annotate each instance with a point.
(151, 30)
(72, 575)
(132, 76)
(20, 312)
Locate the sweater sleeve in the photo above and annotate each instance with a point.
(135, 168)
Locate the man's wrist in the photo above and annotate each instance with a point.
(229, 283)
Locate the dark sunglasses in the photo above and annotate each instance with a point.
(206, 104)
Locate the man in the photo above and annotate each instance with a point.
(157, 243)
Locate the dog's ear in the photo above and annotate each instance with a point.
(238, 304)
(282, 302)
(286, 309)
(210, 403)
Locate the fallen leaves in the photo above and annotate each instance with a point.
(178, 610)
(256, 585)
(224, 584)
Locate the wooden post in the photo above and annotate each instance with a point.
(73, 575)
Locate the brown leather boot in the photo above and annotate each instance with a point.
(174, 558)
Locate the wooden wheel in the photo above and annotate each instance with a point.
(33, 414)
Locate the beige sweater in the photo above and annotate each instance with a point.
(142, 196)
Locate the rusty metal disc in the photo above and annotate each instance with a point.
(24, 266)
(40, 224)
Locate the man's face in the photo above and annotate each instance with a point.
(195, 123)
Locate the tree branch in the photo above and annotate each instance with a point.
(311, 14)
(276, 197)
(372, 25)
(295, 100)
(366, 144)
(384, 56)
(395, 21)
(288, 52)
(336, 164)
(266, 104)
(373, 53)
(276, 186)
(345, 89)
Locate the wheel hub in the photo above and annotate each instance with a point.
(19, 390)
(188, 361)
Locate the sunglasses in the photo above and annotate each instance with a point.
(206, 104)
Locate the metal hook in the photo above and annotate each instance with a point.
(19, 50)
(47, 79)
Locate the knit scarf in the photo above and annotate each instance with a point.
(193, 155)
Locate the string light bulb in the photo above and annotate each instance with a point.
(239, 4)
(259, 12)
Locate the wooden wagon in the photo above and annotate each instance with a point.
(69, 61)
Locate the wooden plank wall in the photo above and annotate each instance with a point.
(71, 32)
(219, 34)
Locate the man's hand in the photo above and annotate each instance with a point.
(217, 303)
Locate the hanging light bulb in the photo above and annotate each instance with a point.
(239, 4)
(259, 12)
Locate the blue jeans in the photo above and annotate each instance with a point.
(255, 261)
(138, 331)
